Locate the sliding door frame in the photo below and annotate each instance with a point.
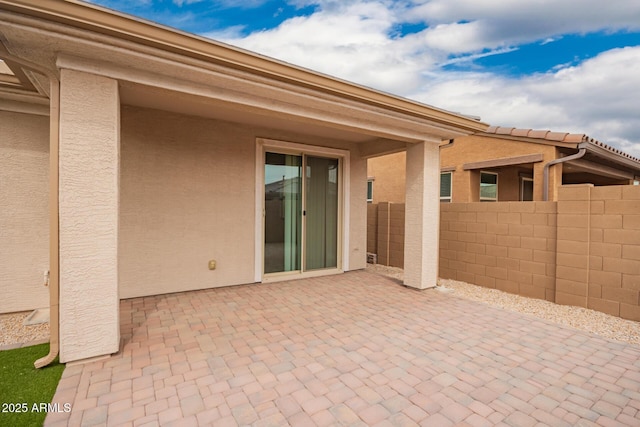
(263, 146)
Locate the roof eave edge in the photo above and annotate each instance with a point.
(610, 155)
(107, 21)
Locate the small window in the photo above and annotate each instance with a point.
(526, 189)
(445, 187)
(488, 187)
(369, 191)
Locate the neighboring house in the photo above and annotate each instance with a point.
(138, 160)
(508, 164)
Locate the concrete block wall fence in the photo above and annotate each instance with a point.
(385, 233)
(583, 250)
(509, 246)
(598, 261)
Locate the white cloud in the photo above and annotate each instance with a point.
(598, 97)
(348, 41)
(358, 40)
(466, 26)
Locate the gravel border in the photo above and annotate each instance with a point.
(584, 319)
(14, 334)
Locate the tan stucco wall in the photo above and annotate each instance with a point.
(358, 218)
(188, 196)
(24, 220)
(89, 198)
(476, 148)
(388, 173)
(422, 216)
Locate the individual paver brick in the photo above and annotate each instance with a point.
(519, 419)
(288, 405)
(480, 408)
(208, 417)
(169, 415)
(436, 420)
(518, 404)
(579, 411)
(316, 404)
(401, 420)
(455, 412)
(616, 399)
(94, 416)
(244, 414)
(368, 394)
(340, 395)
(99, 388)
(415, 413)
(263, 396)
(445, 379)
(402, 387)
(156, 406)
(143, 394)
(396, 403)
(183, 422)
(484, 395)
(548, 419)
(122, 417)
(627, 419)
(300, 419)
(475, 420)
(288, 387)
(274, 420)
(374, 414)
(544, 403)
(608, 422)
(192, 405)
(343, 414)
(607, 409)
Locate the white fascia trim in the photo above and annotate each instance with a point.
(262, 144)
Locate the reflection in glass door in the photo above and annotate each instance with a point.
(283, 212)
(293, 233)
(321, 208)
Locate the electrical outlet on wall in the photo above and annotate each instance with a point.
(212, 264)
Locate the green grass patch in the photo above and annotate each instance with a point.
(22, 386)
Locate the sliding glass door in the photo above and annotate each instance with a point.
(283, 212)
(300, 213)
(321, 207)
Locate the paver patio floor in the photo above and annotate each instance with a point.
(353, 349)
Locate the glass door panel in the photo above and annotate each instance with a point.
(321, 208)
(283, 212)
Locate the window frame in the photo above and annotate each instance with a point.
(370, 189)
(445, 199)
(488, 199)
(524, 179)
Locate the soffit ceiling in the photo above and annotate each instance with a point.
(138, 95)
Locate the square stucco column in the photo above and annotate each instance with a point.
(89, 199)
(422, 215)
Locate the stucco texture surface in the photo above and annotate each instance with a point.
(89, 175)
(24, 221)
(188, 196)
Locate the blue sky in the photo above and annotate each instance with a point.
(564, 65)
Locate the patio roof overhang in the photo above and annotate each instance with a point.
(167, 69)
(599, 159)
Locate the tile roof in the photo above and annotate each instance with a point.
(564, 137)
